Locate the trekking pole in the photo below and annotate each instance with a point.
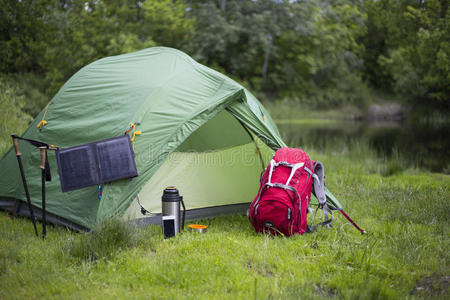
(351, 221)
(43, 150)
(25, 186)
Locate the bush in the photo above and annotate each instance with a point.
(32, 86)
(14, 119)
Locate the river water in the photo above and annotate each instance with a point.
(426, 146)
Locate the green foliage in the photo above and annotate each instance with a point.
(410, 44)
(24, 32)
(166, 22)
(13, 120)
(30, 85)
(321, 53)
(328, 56)
(304, 50)
(57, 38)
(125, 43)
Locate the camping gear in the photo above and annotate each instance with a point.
(24, 181)
(284, 197)
(282, 201)
(197, 228)
(96, 163)
(45, 176)
(171, 200)
(199, 130)
(43, 150)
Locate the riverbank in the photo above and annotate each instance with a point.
(380, 107)
(398, 135)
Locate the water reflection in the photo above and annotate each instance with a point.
(423, 145)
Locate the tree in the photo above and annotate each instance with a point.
(166, 23)
(24, 31)
(11, 105)
(321, 55)
(409, 48)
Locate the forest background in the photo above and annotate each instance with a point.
(319, 54)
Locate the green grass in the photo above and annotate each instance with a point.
(404, 255)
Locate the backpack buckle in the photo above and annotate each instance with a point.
(268, 224)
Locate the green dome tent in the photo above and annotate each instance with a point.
(199, 130)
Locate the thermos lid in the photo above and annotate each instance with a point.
(171, 194)
(171, 189)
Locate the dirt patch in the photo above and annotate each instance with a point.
(433, 285)
(249, 265)
(323, 291)
(262, 272)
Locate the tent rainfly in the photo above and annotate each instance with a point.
(192, 127)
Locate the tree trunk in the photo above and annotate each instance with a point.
(223, 4)
(266, 59)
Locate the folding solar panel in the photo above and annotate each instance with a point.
(116, 159)
(96, 163)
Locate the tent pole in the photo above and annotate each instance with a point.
(254, 142)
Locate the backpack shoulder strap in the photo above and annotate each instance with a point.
(273, 164)
(319, 182)
(319, 192)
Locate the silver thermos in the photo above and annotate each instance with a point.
(171, 200)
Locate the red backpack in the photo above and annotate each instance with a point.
(282, 202)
